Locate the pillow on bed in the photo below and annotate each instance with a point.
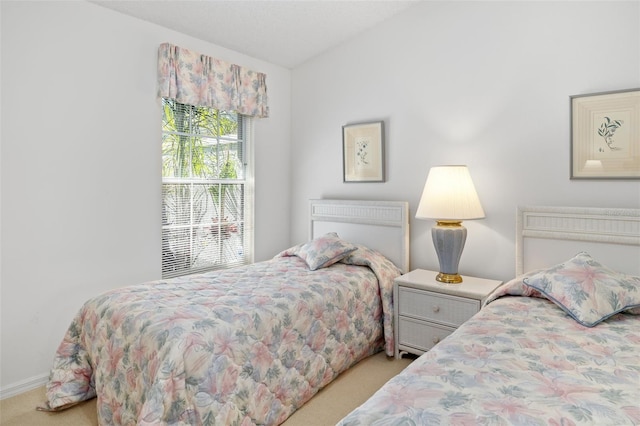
(324, 251)
(587, 290)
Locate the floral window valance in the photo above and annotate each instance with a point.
(195, 79)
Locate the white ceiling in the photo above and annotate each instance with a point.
(282, 32)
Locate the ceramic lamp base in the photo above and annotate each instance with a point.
(449, 238)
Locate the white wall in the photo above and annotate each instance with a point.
(81, 167)
(485, 84)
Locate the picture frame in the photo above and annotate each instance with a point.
(363, 152)
(605, 135)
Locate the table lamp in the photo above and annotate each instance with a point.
(449, 197)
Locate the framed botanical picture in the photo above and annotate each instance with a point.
(363, 152)
(605, 135)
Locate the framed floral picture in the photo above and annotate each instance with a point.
(363, 152)
(605, 135)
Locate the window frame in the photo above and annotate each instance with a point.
(244, 227)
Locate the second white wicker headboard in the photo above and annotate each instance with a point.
(550, 235)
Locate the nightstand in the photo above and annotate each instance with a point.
(425, 311)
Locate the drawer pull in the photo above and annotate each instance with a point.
(435, 340)
(436, 309)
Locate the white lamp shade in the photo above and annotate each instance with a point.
(449, 194)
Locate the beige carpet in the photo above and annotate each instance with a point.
(331, 404)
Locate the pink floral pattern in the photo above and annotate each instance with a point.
(587, 290)
(241, 346)
(322, 251)
(195, 79)
(519, 361)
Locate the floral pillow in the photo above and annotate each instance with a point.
(587, 290)
(322, 251)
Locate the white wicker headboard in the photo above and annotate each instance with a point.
(550, 235)
(379, 225)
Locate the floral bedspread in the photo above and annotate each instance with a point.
(236, 347)
(520, 361)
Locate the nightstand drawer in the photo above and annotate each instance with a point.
(443, 308)
(421, 335)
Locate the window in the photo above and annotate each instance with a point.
(207, 198)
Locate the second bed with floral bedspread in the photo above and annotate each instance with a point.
(553, 347)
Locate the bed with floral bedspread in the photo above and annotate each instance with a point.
(553, 347)
(242, 346)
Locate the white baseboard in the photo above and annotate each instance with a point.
(23, 386)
